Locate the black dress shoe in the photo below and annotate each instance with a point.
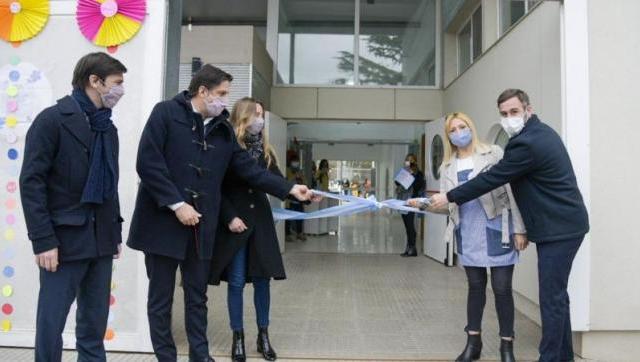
(264, 346)
(472, 350)
(506, 351)
(410, 252)
(238, 353)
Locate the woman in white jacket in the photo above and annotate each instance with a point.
(488, 233)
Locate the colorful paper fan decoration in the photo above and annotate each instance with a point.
(110, 23)
(22, 19)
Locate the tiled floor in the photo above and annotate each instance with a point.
(369, 304)
(371, 233)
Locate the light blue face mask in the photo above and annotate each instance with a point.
(461, 138)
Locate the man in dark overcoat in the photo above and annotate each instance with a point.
(69, 192)
(185, 150)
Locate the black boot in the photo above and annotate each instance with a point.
(406, 252)
(472, 350)
(506, 351)
(264, 346)
(238, 353)
(412, 251)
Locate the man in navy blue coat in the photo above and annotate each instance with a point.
(69, 192)
(185, 149)
(537, 166)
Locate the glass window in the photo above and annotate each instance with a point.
(315, 39)
(397, 42)
(470, 41)
(393, 44)
(464, 48)
(476, 23)
(512, 10)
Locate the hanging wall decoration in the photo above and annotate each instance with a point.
(109, 23)
(21, 20)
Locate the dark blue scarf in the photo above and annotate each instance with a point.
(102, 180)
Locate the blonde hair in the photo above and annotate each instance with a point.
(244, 111)
(450, 150)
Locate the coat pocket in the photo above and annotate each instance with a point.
(457, 233)
(494, 243)
(74, 234)
(69, 219)
(495, 247)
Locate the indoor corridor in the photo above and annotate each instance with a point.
(352, 297)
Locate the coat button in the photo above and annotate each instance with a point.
(250, 191)
(252, 206)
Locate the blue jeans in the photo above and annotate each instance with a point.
(554, 266)
(237, 276)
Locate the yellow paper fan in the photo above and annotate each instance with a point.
(116, 30)
(27, 18)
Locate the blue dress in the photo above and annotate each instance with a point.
(471, 235)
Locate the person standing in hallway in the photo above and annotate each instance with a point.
(416, 189)
(488, 233)
(185, 149)
(294, 229)
(537, 166)
(247, 250)
(323, 175)
(69, 191)
(313, 182)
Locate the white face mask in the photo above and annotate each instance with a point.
(513, 125)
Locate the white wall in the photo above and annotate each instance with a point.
(350, 131)
(55, 51)
(322, 103)
(516, 61)
(613, 50)
(217, 44)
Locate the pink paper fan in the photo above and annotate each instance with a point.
(91, 16)
(135, 9)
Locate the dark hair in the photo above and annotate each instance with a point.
(99, 64)
(414, 161)
(323, 163)
(209, 77)
(510, 93)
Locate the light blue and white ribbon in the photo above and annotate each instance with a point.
(354, 205)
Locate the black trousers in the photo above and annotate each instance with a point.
(410, 228)
(87, 281)
(501, 281)
(296, 225)
(161, 271)
(554, 266)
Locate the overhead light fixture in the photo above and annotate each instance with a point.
(189, 26)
